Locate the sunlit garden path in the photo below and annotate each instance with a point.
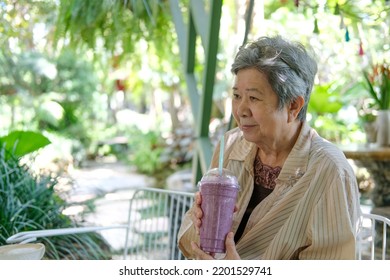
(108, 186)
(105, 178)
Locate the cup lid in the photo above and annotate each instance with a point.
(214, 175)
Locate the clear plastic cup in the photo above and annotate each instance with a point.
(219, 194)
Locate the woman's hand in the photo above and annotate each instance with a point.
(197, 212)
(231, 252)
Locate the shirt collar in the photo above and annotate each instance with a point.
(296, 163)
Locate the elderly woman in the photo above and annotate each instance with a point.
(299, 197)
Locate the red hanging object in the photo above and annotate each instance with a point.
(120, 85)
(361, 51)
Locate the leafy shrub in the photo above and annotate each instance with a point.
(29, 202)
(145, 152)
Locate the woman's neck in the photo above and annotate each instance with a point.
(276, 154)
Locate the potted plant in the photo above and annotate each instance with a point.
(378, 86)
(367, 114)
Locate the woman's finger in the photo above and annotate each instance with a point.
(200, 255)
(197, 213)
(231, 252)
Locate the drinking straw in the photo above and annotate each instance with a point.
(221, 150)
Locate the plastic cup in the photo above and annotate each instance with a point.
(219, 194)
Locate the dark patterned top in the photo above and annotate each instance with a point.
(265, 175)
(264, 184)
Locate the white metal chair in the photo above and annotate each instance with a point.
(154, 218)
(372, 238)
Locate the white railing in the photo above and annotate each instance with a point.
(154, 218)
(372, 237)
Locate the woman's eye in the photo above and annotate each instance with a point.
(236, 96)
(252, 98)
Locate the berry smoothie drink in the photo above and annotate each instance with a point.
(219, 194)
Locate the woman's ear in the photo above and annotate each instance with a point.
(295, 107)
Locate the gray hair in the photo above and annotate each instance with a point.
(289, 67)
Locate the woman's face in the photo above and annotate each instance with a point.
(255, 108)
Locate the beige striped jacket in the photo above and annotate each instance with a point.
(312, 213)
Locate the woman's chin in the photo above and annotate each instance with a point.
(249, 137)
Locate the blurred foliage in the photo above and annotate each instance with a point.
(59, 90)
(378, 84)
(121, 24)
(145, 152)
(64, 62)
(324, 100)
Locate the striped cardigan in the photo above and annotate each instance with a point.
(311, 214)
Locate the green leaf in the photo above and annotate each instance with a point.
(324, 101)
(371, 89)
(21, 143)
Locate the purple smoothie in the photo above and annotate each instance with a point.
(219, 194)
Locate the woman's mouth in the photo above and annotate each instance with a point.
(246, 127)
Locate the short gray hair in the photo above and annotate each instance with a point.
(289, 67)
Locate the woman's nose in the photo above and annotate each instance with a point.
(243, 109)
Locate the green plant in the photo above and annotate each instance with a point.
(28, 201)
(378, 84)
(324, 107)
(324, 99)
(146, 151)
(20, 143)
(367, 111)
